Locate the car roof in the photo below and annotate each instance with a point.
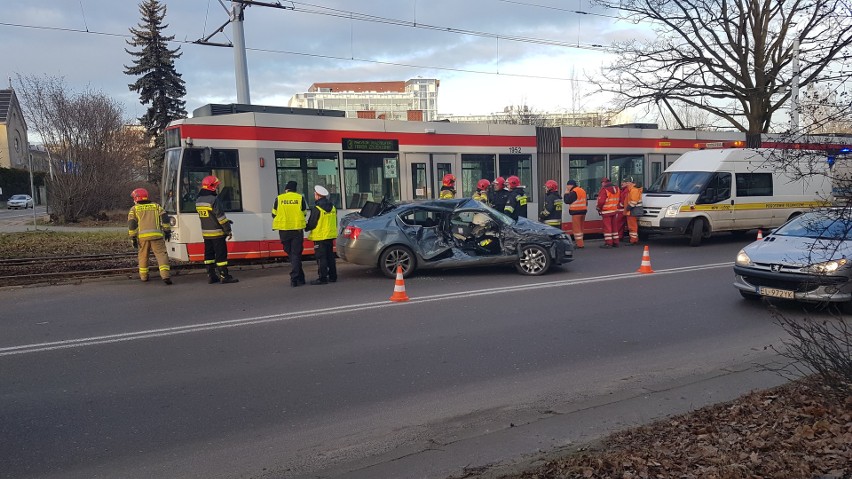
(445, 205)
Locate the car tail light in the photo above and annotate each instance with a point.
(351, 232)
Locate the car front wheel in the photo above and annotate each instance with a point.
(533, 260)
(395, 256)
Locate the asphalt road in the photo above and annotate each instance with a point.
(256, 379)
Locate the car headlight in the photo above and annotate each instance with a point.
(826, 267)
(672, 210)
(743, 259)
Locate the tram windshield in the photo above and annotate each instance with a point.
(680, 182)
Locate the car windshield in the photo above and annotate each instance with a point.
(18, 197)
(680, 182)
(827, 225)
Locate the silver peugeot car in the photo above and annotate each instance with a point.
(454, 233)
(809, 259)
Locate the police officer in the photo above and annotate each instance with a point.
(322, 225)
(215, 227)
(288, 218)
(552, 212)
(516, 206)
(149, 229)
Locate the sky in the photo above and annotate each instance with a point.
(84, 41)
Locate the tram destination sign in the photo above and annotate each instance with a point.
(369, 144)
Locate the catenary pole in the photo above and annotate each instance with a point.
(240, 63)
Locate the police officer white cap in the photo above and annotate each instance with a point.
(320, 190)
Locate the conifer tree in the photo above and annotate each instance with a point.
(159, 85)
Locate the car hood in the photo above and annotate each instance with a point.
(524, 225)
(797, 251)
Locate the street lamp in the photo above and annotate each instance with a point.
(32, 190)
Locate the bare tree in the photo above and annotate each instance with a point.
(825, 110)
(732, 59)
(92, 152)
(521, 115)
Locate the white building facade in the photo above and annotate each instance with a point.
(412, 100)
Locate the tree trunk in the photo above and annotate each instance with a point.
(753, 140)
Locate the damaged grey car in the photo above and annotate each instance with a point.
(458, 233)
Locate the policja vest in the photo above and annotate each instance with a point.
(288, 212)
(326, 225)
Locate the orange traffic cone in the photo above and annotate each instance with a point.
(399, 288)
(759, 235)
(645, 267)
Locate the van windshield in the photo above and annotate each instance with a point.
(680, 182)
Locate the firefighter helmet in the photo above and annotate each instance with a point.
(483, 184)
(139, 194)
(210, 183)
(449, 180)
(499, 183)
(513, 181)
(551, 185)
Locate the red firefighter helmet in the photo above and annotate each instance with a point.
(551, 185)
(139, 194)
(449, 180)
(483, 184)
(513, 181)
(210, 183)
(499, 183)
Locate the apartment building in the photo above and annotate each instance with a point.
(412, 100)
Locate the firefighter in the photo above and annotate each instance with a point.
(448, 187)
(607, 205)
(149, 229)
(215, 228)
(481, 193)
(288, 217)
(552, 212)
(516, 206)
(632, 204)
(575, 198)
(323, 230)
(499, 194)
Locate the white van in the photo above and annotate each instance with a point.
(708, 191)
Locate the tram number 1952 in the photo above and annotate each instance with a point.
(514, 149)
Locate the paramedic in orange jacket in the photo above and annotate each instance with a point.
(576, 199)
(634, 199)
(607, 205)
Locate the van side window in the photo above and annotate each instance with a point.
(754, 184)
(718, 188)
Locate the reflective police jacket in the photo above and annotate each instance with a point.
(147, 220)
(323, 221)
(552, 212)
(214, 223)
(288, 212)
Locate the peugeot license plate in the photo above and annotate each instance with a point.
(776, 293)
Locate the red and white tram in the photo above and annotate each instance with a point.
(256, 150)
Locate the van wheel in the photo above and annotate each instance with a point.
(697, 232)
(397, 256)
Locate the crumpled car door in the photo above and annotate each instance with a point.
(427, 241)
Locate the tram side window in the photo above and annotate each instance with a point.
(475, 168)
(520, 166)
(370, 177)
(201, 162)
(308, 169)
(622, 166)
(587, 171)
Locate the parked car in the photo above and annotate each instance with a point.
(454, 233)
(19, 201)
(808, 258)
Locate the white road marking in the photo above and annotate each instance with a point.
(211, 326)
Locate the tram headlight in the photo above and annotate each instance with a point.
(672, 210)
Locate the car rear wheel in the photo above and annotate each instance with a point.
(533, 260)
(395, 256)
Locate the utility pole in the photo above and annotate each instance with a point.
(240, 63)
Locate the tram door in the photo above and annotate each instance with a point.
(425, 172)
